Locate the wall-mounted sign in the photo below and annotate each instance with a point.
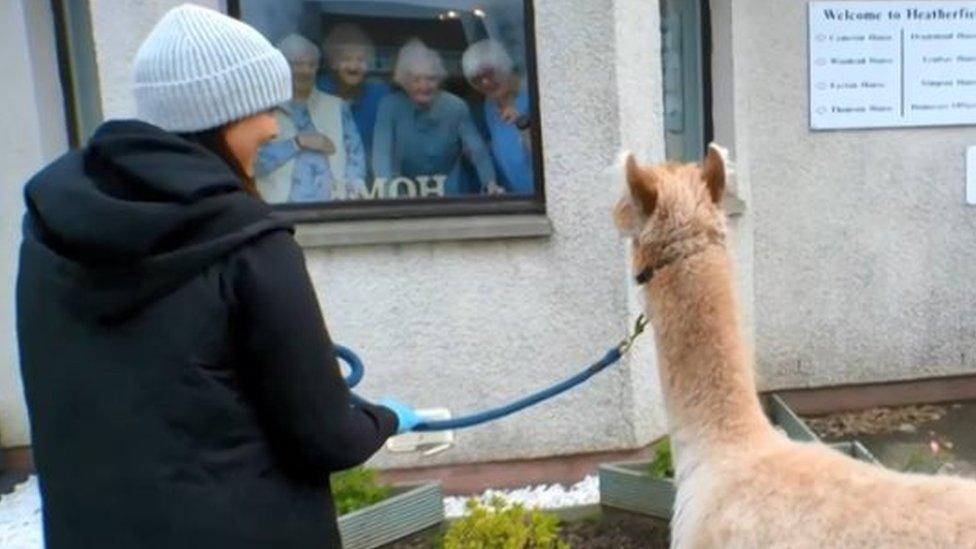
(889, 64)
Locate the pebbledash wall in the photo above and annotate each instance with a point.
(862, 267)
(852, 255)
(31, 133)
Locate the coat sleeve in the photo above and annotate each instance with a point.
(355, 154)
(383, 139)
(273, 155)
(288, 364)
(475, 148)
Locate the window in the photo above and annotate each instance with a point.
(684, 50)
(77, 69)
(402, 108)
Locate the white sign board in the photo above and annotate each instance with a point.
(971, 175)
(889, 64)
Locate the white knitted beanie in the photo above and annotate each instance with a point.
(200, 69)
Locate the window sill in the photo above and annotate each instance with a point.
(431, 229)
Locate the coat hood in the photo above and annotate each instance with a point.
(132, 216)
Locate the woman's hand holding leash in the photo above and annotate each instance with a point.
(407, 418)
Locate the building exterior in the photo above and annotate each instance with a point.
(852, 247)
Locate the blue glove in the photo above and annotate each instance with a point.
(407, 418)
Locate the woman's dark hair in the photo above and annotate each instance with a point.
(215, 141)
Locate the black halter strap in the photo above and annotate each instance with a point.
(644, 276)
(647, 273)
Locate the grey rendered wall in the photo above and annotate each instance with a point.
(862, 244)
(31, 133)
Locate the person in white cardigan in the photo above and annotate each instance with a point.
(319, 154)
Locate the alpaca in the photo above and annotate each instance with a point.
(740, 482)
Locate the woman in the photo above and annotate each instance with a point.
(181, 385)
(349, 53)
(423, 131)
(319, 155)
(490, 70)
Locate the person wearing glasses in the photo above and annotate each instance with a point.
(426, 131)
(490, 70)
(318, 155)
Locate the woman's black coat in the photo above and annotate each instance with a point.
(182, 388)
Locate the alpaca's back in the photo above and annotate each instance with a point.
(788, 494)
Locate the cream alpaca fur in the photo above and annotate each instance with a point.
(740, 482)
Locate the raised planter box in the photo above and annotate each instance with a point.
(784, 416)
(856, 450)
(411, 508)
(625, 485)
(797, 429)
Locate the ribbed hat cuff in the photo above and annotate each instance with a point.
(217, 99)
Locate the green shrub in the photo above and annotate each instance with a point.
(927, 460)
(357, 488)
(501, 525)
(662, 466)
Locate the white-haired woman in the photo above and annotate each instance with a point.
(319, 154)
(490, 70)
(424, 131)
(348, 54)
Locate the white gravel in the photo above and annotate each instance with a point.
(20, 517)
(545, 496)
(20, 511)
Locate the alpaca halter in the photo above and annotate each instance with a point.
(647, 273)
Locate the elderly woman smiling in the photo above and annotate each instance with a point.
(424, 131)
(318, 155)
(490, 70)
(348, 54)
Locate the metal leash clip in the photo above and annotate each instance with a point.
(628, 342)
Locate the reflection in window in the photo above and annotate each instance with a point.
(683, 55)
(399, 99)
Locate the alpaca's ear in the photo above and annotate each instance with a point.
(643, 187)
(713, 172)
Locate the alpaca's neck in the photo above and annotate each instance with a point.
(706, 377)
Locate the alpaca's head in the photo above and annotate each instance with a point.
(671, 209)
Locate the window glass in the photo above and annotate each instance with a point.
(683, 23)
(401, 102)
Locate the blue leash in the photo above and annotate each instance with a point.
(611, 357)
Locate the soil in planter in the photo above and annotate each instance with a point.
(609, 529)
(875, 421)
(615, 529)
(426, 539)
(923, 438)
